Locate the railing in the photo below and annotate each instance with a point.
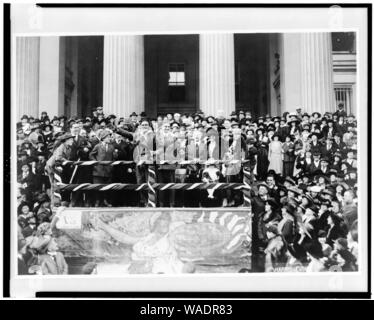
(151, 185)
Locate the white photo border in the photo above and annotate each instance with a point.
(311, 19)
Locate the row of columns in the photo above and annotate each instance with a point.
(40, 69)
(306, 70)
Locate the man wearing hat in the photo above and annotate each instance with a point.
(251, 155)
(328, 149)
(233, 115)
(273, 190)
(314, 193)
(102, 174)
(328, 193)
(288, 149)
(349, 208)
(61, 153)
(316, 164)
(80, 150)
(100, 111)
(351, 153)
(258, 203)
(325, 165)
(298, 112)
(42, 180)
(305, 119)
(111, 121)
(315, 146)
(351, 121)
(23, 158)
(340, 111)
(134, 118)
(283, 130)
(288, 182)
(338, 142)
(166, 171)
(26, 181)
(268, 121)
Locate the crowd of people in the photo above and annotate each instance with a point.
(303, 177)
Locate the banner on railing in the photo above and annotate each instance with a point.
(158, 240)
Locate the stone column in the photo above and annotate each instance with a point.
(317, 72)
(52, 75)
(217, 74)
(123, 90)
(27, 76)
(290, 72)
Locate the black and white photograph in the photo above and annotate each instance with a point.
(177, 152)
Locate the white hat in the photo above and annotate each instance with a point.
(315, 189)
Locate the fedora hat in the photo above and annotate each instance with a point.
(65, 136)
(295, 190)
(290, 180)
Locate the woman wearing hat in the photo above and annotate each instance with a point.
(329, 130)
(271, 214)
(251, 155)
(351, 153)
(276, 250)
(315, 146)
(288, 156)
(26, 181)
(316, 115)
(275, 155)
(287, 226)
(336, 229)
(284, 129)
(340, 125)
(260, 134)
(262, 158)
(336, 163)
(294, 127)
(306, 201)
(345, 260)
(338, 142)
(47, 133)
(315, 255)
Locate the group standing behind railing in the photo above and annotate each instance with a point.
(298, 172)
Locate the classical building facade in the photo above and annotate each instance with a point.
(217, 73)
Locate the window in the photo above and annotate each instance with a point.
(177, 82)
(343, 42)
(343, 94)
(176, 74)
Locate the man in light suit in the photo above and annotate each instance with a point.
(53, 262)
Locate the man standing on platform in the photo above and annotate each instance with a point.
(102, 174)
(143, 156)
(80, 150)
(60, 154)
